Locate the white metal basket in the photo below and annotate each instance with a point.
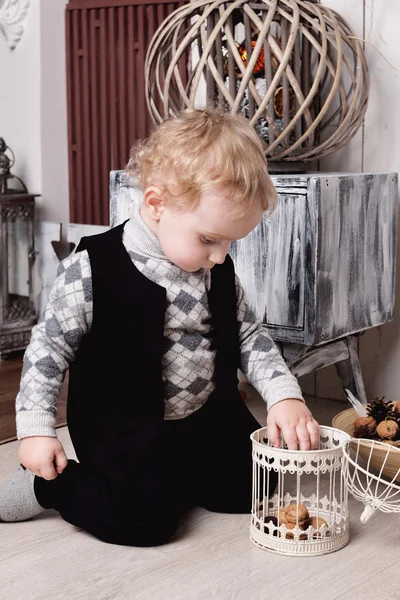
(376, 491)
(310, 478)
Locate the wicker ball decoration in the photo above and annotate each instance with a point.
(294, 68)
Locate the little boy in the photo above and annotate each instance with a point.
(153, 325)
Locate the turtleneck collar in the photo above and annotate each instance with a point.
(139, 238)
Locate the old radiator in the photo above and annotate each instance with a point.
(106, 44)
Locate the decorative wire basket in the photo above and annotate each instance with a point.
(376, 455)
(295, 68)
(310, 489)
(376, 491)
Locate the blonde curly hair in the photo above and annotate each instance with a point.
(202, 150)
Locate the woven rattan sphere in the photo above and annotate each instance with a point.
(295, 69)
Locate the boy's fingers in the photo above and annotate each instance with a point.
(60, 461)
(48, 473)
(290, 437)
(33, 470)
(303, 436)
(273, 433)
(313, 430)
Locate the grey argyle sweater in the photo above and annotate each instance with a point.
(188, 360)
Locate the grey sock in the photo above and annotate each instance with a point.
(17, 497)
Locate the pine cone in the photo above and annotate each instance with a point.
(380, 410)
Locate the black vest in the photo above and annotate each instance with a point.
(116, 375)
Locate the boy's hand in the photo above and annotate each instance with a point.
(43, 456)
(295, 421)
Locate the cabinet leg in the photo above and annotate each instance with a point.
(349, 371)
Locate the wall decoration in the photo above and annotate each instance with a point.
(12, 20)
(294, 68)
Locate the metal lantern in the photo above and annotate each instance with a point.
(17, 255)
(294, 68)
(9, 184)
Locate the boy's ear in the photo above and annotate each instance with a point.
(154, 201)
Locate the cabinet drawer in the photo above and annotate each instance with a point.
(270, 263)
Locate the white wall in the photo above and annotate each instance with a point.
(54, 146)
(20, 120)
(33, 107)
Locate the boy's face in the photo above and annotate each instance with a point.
(197, 238)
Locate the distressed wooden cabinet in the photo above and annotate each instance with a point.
(323, 265)
(320, 270)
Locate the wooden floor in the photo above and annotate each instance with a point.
(211, 557)
(10, 375)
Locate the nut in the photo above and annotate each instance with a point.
(387, 429)
(392, 443)
(298, 513)
(282, 517)
(368, 424)
(287, 520)
(316, 523)
(396, 406)
(290, 536)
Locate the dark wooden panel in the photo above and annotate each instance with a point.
(106, 47)
(73, 4)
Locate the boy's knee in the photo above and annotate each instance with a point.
(156, 534)
(141, 533)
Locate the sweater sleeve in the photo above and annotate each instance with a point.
(54, 341)
(260, 358)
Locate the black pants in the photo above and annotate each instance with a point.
(202, 460)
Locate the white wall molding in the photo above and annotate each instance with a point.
(12, 20)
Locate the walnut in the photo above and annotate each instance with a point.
(387, 429)
(367, 424)
(316, 523)
(288, 517)
(290, 536)
(282, 517)
(298, 513)
(396, 406)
